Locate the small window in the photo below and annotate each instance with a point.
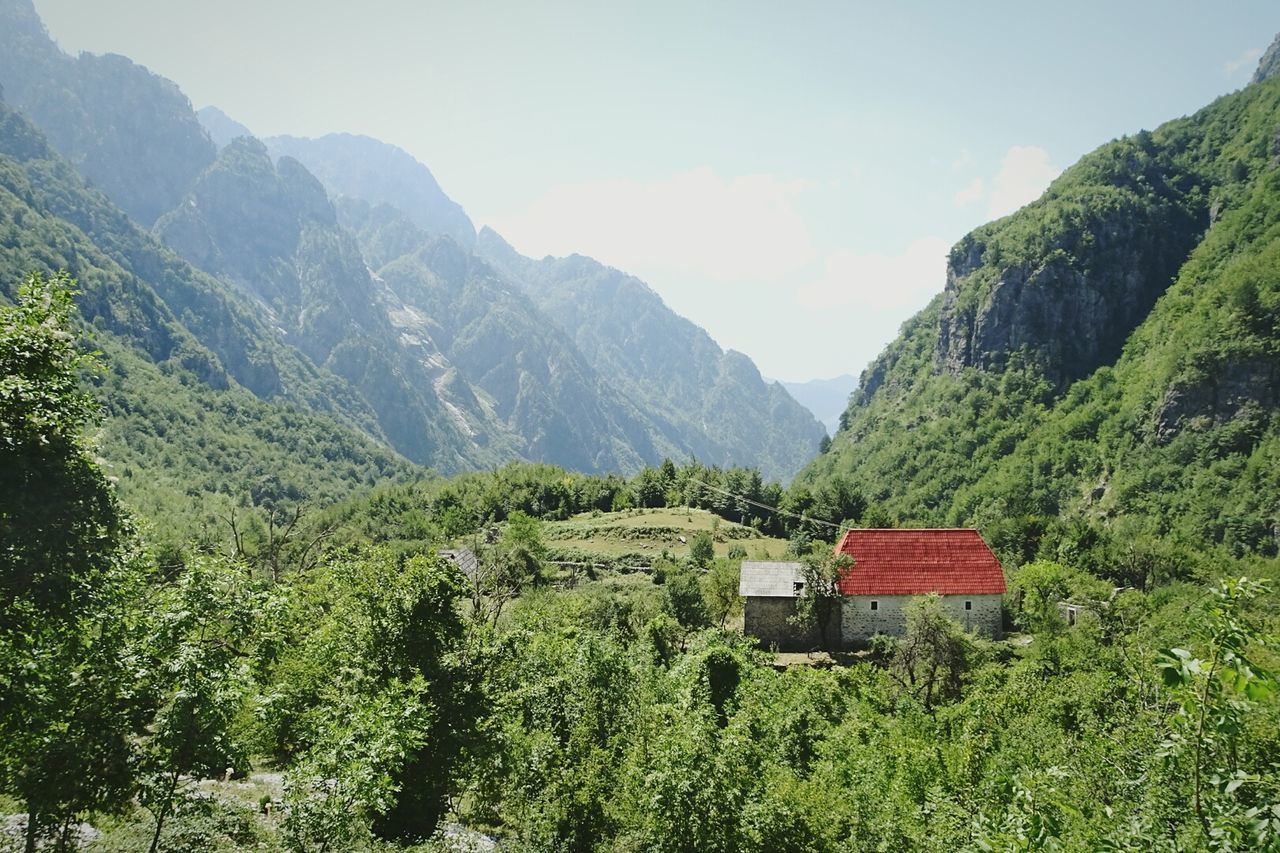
(797, 587)
(968, 605)
(875, 605)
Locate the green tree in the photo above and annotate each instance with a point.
(66, 581)
(720, 590)
(384, 637)
(1215, 693)
(819, 600)
(520, 547)
(200, 647)
(1041, 585)
(682, 598)
(349, 778)
(702, 550)
(933, 657)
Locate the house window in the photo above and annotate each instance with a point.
(797, 587)
(968, 605)
(875, 605)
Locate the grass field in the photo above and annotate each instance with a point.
(646, 533)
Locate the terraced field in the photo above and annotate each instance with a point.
(633, 538)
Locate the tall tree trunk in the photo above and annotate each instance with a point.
(33, 824)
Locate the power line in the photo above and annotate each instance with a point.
(762, 506)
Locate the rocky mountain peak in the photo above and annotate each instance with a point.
(1269, 64)
(221, 127)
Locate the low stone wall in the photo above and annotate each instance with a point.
(858, 622)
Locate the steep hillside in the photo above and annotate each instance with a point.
(532, 380)
(714, 401)
(378, 173)
(452, 361)
(270, 229)
(1109, 353)
(129, 131)
(184, 431)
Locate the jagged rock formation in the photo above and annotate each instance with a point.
(129, 131)
(712, 402)
(365, 168)
(270, 229)
(1269, 64)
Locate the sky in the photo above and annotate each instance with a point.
(790, 176)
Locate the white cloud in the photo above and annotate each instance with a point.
(1244, 60)
(1025, 173)
(873, 280)
(742, 228)
(975, 191)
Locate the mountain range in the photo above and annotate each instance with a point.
(826, 398)
(1107, 358)
(332, 279)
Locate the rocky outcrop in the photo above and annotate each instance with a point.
(131, 132)
(1070, 306)
(1269, 64)
(1243, 391)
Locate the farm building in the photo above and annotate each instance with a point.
(891, 566)
(771, 590)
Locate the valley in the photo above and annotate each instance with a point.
(330, 521)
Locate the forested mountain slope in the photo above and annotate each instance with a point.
(1109, 353)
(183, 421)
(715, 402)
(129, 131)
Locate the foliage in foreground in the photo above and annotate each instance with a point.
(609, 715)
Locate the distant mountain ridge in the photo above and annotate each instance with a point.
(826, 398)
(303, 285)
(221, 127)
(715, 402)
(365, 168)
(130, 132)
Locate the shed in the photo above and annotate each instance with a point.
(893, 565)
(770, 590)
(464, 559)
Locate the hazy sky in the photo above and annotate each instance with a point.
(787, 175)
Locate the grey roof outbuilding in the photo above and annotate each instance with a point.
(762, 579)
(463, 558)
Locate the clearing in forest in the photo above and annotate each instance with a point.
(642, 534)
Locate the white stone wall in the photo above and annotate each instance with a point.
(858, 622)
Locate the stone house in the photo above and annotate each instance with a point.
(892, 566)
(770, 590)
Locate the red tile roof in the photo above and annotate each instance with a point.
(915, 562)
